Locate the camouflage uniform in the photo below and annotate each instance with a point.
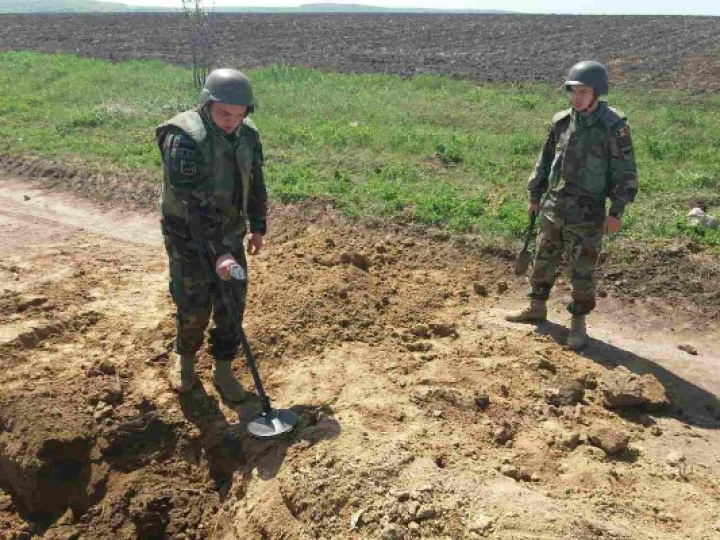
(586, 159)
(214, 183)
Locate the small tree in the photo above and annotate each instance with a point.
(200, 23)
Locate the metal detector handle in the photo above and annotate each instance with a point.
(530, 229)
(238, 273)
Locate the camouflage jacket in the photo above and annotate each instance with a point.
(587, 159)
(212, 182)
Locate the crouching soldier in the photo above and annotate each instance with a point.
(587, 158)
(212, 188)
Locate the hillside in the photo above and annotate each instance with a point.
(92, 6)
(68, 6)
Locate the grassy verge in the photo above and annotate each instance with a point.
(429, 149)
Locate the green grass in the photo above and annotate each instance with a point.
(428, 149)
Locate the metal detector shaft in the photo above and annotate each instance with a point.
(530, 229)
(231, 305)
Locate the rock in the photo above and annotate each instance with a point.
(356, 520)
(400, 495)
(570, 440)
(547, 365)
(675, 458)
(589, 381)
(511, 471)
(688, 349)
(503, 433)
(106, 368)
(700, 220)
(29, 339)
(29, 301)
(610, 440)
(444, 330)
(568, 393)
(480, 289)
(420, 330)
(482, 401)
(622, 388)
(26, 197)
(356, 259)
(481, 524)
(392, 531)
(426, 512)
(646, 420)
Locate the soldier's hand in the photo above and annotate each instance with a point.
(223, 264)
(612, 225)
(255, 243)
(533, 208)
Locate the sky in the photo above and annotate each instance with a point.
(616, 7)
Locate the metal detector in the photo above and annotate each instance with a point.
(525, 258)
(273, 422)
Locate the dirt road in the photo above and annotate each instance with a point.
(423, 414)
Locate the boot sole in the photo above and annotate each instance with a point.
(534, 320)
(576, 347)
(183, 390)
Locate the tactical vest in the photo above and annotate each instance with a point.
(582, 157)
(223, 160)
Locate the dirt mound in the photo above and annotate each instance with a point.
(421, 413)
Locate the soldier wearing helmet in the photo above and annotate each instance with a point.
(587, 159)
(213, 188)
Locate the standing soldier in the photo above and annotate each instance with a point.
(587, 157)
(212, 185)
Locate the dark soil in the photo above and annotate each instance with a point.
(649, 50)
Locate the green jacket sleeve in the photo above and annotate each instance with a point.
(257, 196)
(186, 172)
(623, 177)
(538, 182)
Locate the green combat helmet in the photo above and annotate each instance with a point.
(228, 86)
(589, 73)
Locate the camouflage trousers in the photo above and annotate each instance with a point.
(581, 244)
(195, 289)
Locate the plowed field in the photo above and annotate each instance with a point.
(657, 51)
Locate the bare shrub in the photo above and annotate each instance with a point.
(200, 27)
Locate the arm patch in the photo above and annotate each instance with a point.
(183, 160)
(621, 143)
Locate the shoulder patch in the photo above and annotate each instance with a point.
(622, 130)
(610, 117)
(561, 115)
(249, 124)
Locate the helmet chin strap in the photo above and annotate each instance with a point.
(586, 110)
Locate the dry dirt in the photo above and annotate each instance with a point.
(422, 413)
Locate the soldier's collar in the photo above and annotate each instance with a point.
(590, 119)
